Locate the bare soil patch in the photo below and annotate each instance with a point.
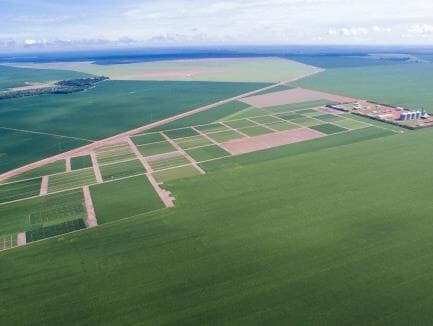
(257, 143)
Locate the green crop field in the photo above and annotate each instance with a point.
(181, 133)
(328, 128)
(207, 153)
(121, 170)
(169, 163)
(124, 198)
(42, 211)
(147, 138)
(213, 127)
(18, 190)
(223, 136)
(176, 173)
(81, 162)
(51, 168)
(156, 148)
(70, 180)
(53, 230)
(194, 141)
(256, 131)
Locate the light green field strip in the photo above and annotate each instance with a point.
(207, 153)
(147, 138)
(282, 126)
(71, 180)
(246, 113)
(111, 147)
(121, 170)
(224, 136)
(191, 142)
(256, 131)
(156, 148)
(307, 122)
(114, 154)
(169, 163)
(329, 117)
(19, 190)
(214, 127)
(267, 119)
(242, 123)
(176, 173)
(351, 124)
(52, 168)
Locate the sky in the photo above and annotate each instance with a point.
(55, 24)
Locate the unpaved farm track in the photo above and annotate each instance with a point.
(86, 149)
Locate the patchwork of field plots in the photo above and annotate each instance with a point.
(126, 177)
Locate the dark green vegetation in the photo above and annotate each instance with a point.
(81, 162)
(17, 77)
(124, 198)
(121, 170)
(18, 190)
(265, 242)
(383, 84)
(19, 148)
(115, 106)
(156, 148)
(39, 212)
(181, 133)
(52, 168)
(328, 128)
(53, 230)
(147, 138)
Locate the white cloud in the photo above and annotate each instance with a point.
(421, 29)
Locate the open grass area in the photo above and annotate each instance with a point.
(19, 190)
(70, 180)
(124, 198)
(207, 153)
(156, 148)
(41, 211)
(51, 168)
(359, 253)
(176, 173)
(121, 170)
(81, 162)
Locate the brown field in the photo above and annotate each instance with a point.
(252, 144)
(292, 96)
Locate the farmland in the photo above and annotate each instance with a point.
(270, 209)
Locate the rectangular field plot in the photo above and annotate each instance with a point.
(19, 190)
(307, 122)
(290, 116)
(351, 124)
(225, 136)
(81, 162)
(242, 123)
(329, 117)
(180, 133)
(267, 119)
(121, 170)
(42, 211)
(71, 180)
(8, 241)
(256, 131)
(214, 127)
(156, 148)
(53, 230)
(191, 142)
(207, 153)
(176, 173)
(114, 153)
(52, 168)
(169, 162)
(124, 198)
(147, 138)
(328, 128)
(281, 126)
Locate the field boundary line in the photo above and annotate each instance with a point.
(164, 195)
(185, 154)
(126, 134)
(96, 169)
(233, 129)
(46, 134)
(207, 137)
(44, 186)
(90, 209)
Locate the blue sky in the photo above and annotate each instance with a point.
(96, 23)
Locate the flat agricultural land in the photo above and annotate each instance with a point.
(319, 218)
(216, 70)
